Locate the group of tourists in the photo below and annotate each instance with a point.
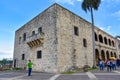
(111, 64)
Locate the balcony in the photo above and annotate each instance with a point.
(35, 40)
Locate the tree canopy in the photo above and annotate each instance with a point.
(86, 4)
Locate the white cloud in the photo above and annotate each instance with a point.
(108, 28)
(117, 14)
(102, 28)
(6, 54)
(105, 29)
(65, 1)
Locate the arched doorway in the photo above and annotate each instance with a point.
(111, 54)
(103, 55)
(96, 39)
(107, 54)
(115, 55)
(97, 56)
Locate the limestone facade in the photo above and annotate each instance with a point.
(106, 45)
(57, 39)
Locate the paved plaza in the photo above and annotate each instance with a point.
(91, 75)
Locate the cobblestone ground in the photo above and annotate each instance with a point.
(92, 75)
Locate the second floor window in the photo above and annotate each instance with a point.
(84, 42)
(76, 31)
(33, 33)
(40, 29)
(24, 37)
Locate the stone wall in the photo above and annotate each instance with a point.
(71, 51)
(118, 47)
(47, 63)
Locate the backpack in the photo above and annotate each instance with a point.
(111, 63)
(108, 62)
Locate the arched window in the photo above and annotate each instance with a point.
(113, 43)
(96, 39)
(103, 55)
(100, 38)
(105, 39)
(97, 56)
(109, 42)
(111, 54)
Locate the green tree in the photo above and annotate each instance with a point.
(89, 5)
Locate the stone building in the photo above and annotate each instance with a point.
(57, 39)
(106, 45)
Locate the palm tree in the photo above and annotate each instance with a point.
(89, 5)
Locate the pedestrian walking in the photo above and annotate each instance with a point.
(109, 65)
(113, 64)
(101, 65)
(118, 62)
(29, 67)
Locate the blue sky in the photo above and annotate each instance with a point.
(15, 13)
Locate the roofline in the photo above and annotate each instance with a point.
(67, 10)
(36, 16)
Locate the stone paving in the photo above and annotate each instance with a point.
(92, 75)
